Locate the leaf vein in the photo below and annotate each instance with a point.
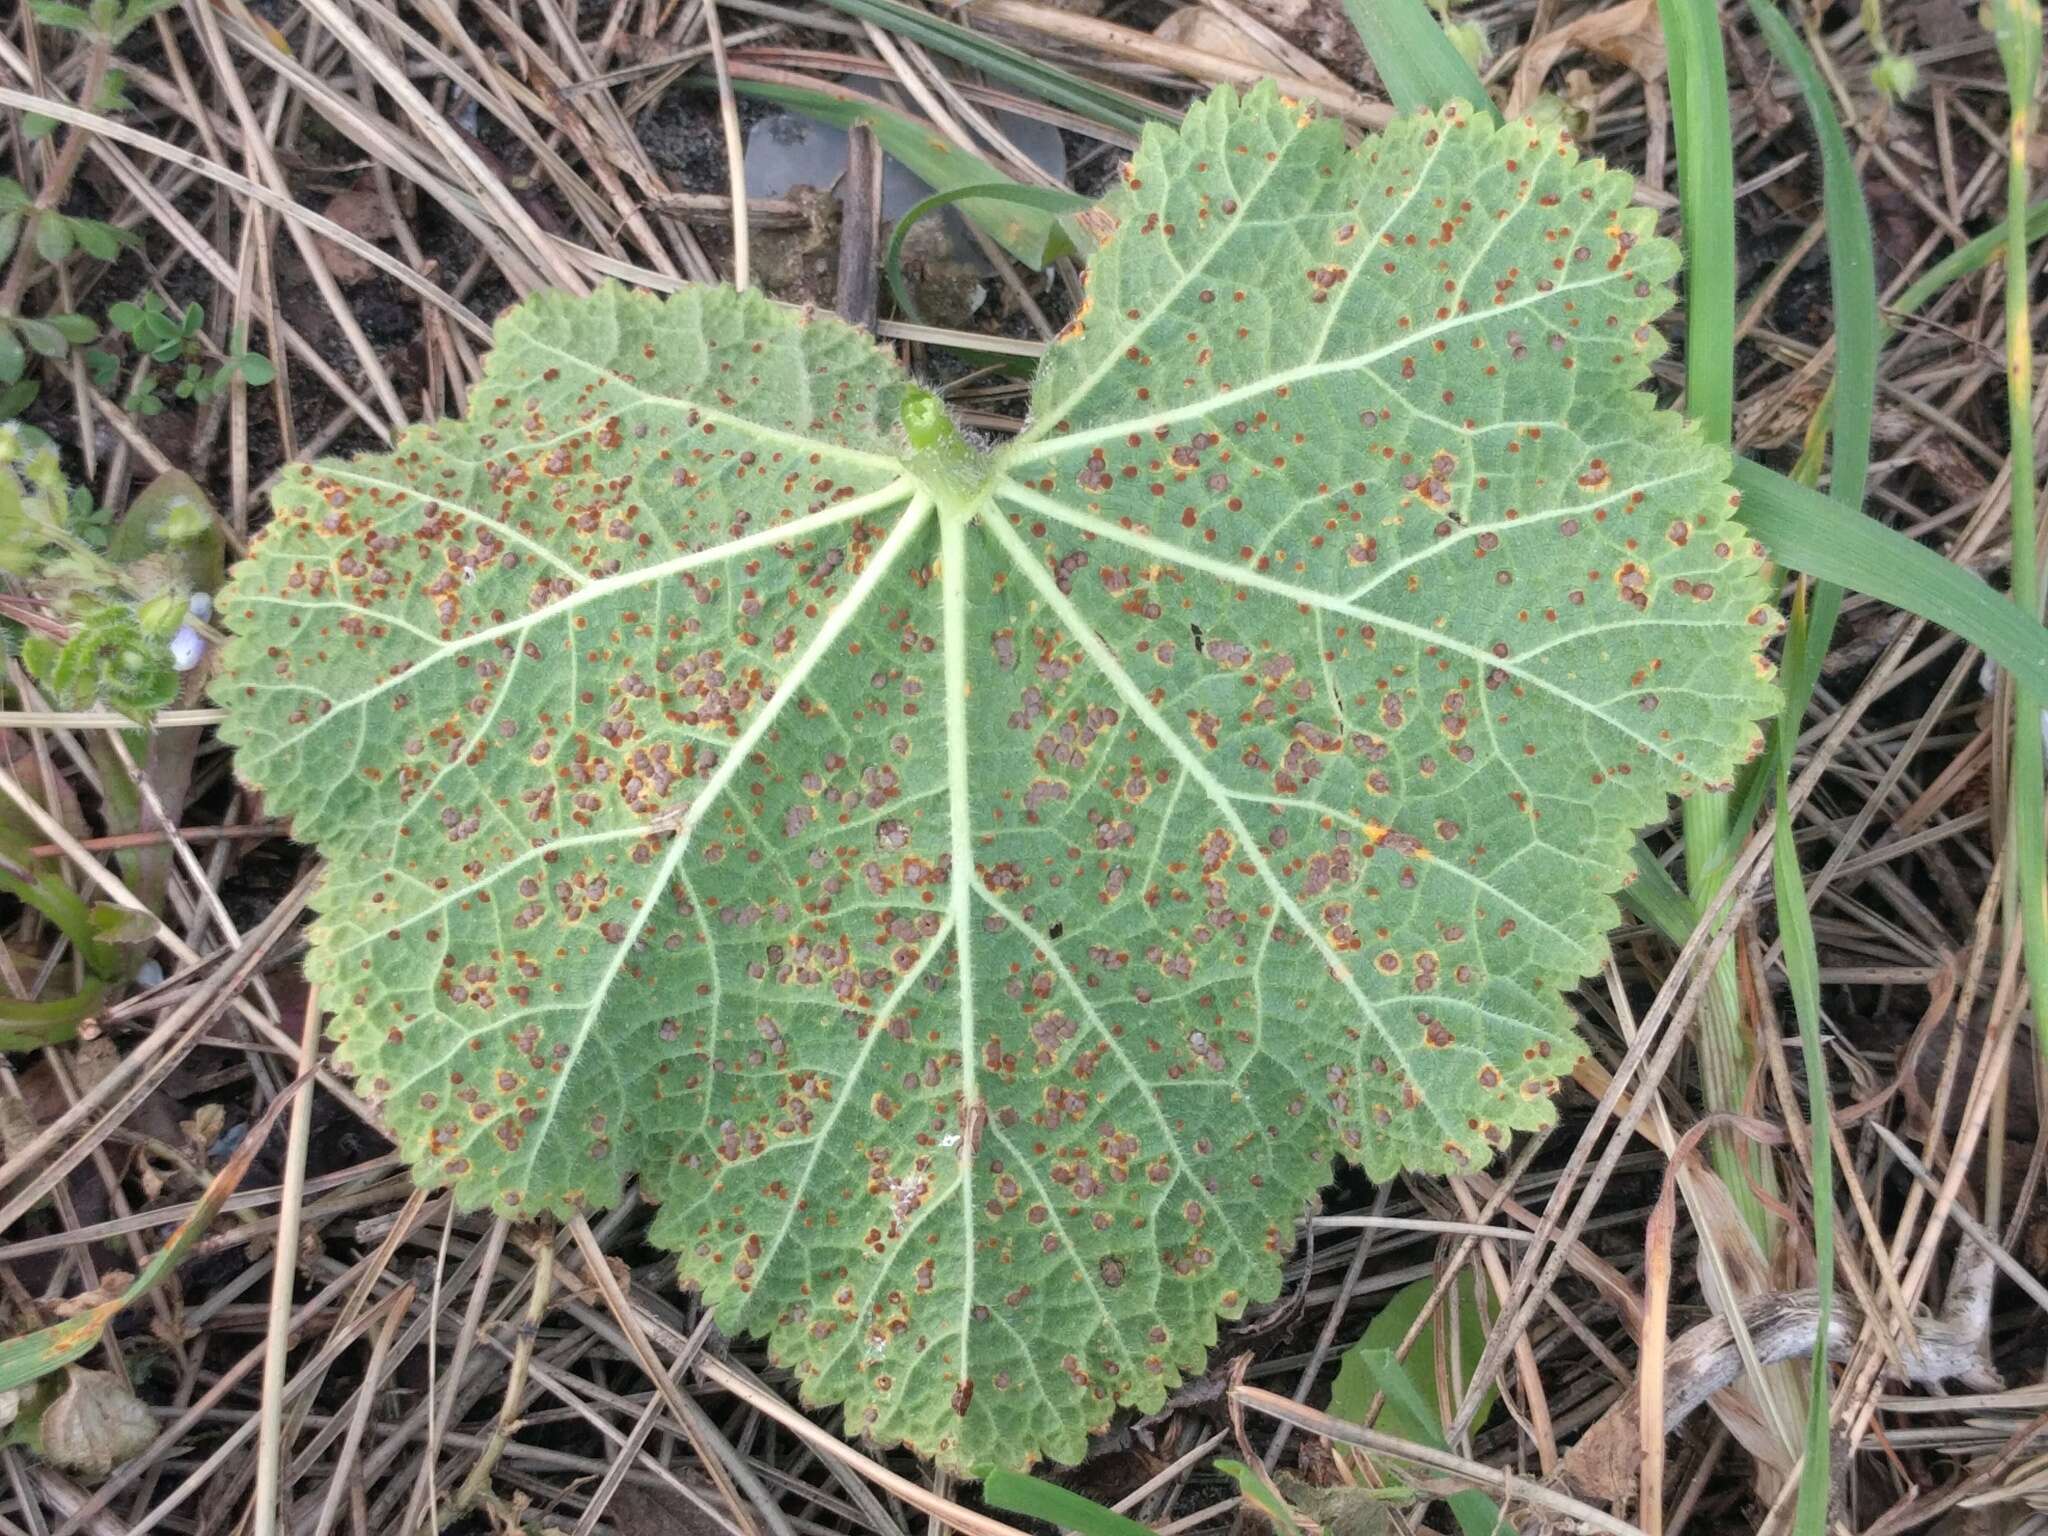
(1106, 663)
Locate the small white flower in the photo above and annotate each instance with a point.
(187, 646)
(200, 605)
(149, 974)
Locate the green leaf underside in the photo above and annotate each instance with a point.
(977, 895)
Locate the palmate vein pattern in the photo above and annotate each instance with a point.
(977, 894)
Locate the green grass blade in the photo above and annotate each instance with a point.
(1357, 1383)
(1852, 261)
(1698, 75)
(1802, 970)
(1022, 1495)
(1013, 66)
(1809, 532)
(1650, 896)
(1042, 199)
(1414, 1419)
(1706, 196)
(1251, 1482)
(1656, 898)
(1852, 281)
(2016, 24)
(1973, 257)
(1418, 64)
(1409, 1387)
(1031, 235)
(28, 1356)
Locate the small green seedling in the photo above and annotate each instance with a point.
(171, 338)
(977, 891)
(24, 336)
(159, 332)
(93, 630)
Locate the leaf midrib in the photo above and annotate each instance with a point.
(1222, 396)
(953, 578)
(889, 495)
(701, 804)
(1047, 416)
(793, 436)
(1083, 634)
(1168, 554)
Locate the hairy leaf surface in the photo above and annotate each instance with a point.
(977, 893)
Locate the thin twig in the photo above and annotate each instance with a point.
(507, 1425)
(277, 1337)
(1477, 1474)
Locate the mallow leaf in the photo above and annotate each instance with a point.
(978, 892)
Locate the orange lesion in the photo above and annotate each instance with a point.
(1077, 327)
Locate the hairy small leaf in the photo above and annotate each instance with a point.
(978, 893)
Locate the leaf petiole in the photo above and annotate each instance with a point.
(948, 466)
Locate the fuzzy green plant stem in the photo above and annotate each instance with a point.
(1706, 188)
(2017, 26)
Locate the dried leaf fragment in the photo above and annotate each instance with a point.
(1629, 33)
(96, 1423)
